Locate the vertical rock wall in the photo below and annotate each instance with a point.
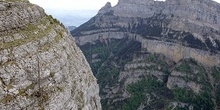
(40, 65)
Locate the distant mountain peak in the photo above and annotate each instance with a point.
(106, 8)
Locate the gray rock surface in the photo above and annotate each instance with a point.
(204, 13)
(202, 10)
(40, 65)
(106, 8)
(176, 42)
(200, 18)
(171, 50)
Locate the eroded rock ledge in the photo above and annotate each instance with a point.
(184, 29)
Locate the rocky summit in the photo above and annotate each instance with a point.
(40, 65)
(151, 54)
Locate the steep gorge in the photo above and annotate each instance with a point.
(150, 54)
(40, 65)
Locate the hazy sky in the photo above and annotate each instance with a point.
(73, 4)
(73, 12)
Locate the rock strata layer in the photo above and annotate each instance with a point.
(155, 55)
(193, 24)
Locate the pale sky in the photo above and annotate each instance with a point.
(73, 4)
(74, 12)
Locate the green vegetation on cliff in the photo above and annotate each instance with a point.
(170, 69)
(149, 90)
(145, 93)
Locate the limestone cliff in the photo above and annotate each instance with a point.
(149, 54)
(40, 65)
(193, 24)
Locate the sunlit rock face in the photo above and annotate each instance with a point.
(40, 65)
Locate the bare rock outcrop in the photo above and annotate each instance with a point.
(40, 65)
(106, 8)
(178, 29)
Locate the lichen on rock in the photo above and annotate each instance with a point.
(40, 65)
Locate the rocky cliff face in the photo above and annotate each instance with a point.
(192, 25)
(40, 65)
(151, 54)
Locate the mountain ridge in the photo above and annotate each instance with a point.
(150, 54)
(205, 34)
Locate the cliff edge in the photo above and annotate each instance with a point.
(188, 29)
(151, 54)
(40, 65)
